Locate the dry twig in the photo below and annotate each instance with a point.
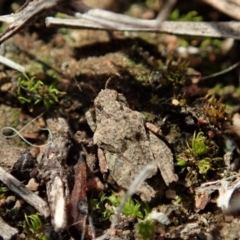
(106, 20)
(6, 231)
(27, 12)
(204, 29)
(17, 187)
(9, 63)
(34, 8)
(53, 170)
(78, 205)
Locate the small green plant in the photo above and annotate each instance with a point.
(133, 208)
(209, 44)
(175, 74)
(33, 227)
(107, 205)
(198, 145)
(103, 205)
(32, 92)
(145, 229)
(3, 189)
(204, 165)
(190, 16)
(182, 163)
(195, 163)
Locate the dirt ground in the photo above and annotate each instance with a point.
(160, 76)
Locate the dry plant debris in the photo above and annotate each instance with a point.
(160, 156)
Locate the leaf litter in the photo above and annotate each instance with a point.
(195, 117)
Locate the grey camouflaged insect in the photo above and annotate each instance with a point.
(127, 144)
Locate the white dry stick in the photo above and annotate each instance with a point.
(204, 29)
(34, 8)
(7, 232)
(232, 8)
(9, 63)
(24, 15)
(114, 20)
(17, 187)
(7, 18)
(142, 176)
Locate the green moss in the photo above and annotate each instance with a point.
(145, 229)
(198, 145)
(132, 208)
(198, 159)
(175, 74)
(32, 92)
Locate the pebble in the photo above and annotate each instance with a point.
(32, 185)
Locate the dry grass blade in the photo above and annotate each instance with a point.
(205, 29)
(12, 64)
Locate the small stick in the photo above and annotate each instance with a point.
(9, 63)
(107, 18)
(6, 231)
(17, 187)
(53, 170)
(79, 203)
(28, 11)
(34, 8)
(203, 29)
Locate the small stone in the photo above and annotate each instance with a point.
(175, 102)
(32, 185)
(228, 218)
(6, 87)
(10, 199)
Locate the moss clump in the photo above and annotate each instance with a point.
(32, 92)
